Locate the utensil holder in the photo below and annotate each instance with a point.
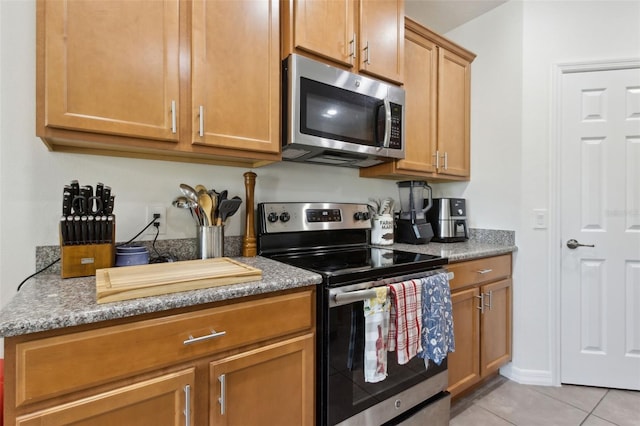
(382, 230)
(210, 241)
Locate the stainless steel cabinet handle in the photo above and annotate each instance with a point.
(367, 56)
(446, 160)
(201, 133)
(490, 296)
(484, 271)
(173, 117)
(437, 155)
(213, 335)
(187, 405)
(574, 244)
(481, 307)
(223, 390)
(353, 296)
(353, 47)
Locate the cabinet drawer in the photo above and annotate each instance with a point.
(57, 365)
(479, 271)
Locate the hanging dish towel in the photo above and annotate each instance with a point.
(376, 330)
(437, 319)
(405, 322)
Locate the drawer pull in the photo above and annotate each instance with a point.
(213, 335)
(484, 271)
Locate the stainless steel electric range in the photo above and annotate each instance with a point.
(332, 239)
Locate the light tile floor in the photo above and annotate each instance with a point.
(502, 402)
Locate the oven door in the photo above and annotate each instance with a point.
(344, 390)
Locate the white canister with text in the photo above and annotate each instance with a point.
(382, 229)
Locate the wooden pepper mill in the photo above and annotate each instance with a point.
(249, 246)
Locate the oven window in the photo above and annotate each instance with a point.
(347, 392)
(334, 113)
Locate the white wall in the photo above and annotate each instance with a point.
(549, 32)
(31, 178)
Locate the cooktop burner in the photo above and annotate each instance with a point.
(340, 266)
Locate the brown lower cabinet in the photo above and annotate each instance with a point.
(245, 362)
(481, 299)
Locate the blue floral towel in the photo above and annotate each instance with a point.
(437, 318)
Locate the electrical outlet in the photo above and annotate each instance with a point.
(162, 211)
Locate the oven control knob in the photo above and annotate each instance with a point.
(285, 217)
(272, 217)
(361, 215)
(460, 212)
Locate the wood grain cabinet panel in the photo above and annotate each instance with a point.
(177, 80)
(111, 72)
(364, 36)
(482, 311)
(161, 401)
(146, 369)
(236, 74)
(437, 110)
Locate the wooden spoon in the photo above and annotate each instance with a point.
(205, 202)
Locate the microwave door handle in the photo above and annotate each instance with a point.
(387, 123)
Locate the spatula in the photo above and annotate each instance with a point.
(227, 208)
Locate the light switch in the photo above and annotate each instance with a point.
(539, 218)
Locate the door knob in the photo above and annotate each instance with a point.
(574, 244)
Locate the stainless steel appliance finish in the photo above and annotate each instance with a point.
(334, 117)
(448, 217)
(332, 239)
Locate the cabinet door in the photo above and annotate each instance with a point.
(495, 326)
(236, 74)
(421, 61)
(454, 87)
(326, 28)
(111, 67)
(464, 363)
(159, 401)
(271, 385)
(382, 39)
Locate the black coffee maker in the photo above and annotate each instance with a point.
(411, 224)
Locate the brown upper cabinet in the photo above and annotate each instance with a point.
(363, 36)
(437, 110)
(170, 79)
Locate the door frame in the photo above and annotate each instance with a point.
(555, 195)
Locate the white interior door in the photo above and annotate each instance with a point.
(600, 163)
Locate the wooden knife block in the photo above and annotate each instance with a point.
(82, 260)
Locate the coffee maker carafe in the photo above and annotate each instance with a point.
(412, 226)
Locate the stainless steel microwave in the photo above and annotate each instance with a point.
(334, 117)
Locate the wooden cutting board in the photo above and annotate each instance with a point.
(130, 282)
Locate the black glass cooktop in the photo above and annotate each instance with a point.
(349, 265)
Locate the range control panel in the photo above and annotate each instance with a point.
(297, 217)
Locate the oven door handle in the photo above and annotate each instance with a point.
(352, 296)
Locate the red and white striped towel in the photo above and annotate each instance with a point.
(405, 323)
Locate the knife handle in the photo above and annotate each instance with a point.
(110, 222)
(75, 188)
(63, 230)
(99, 190)
(66, 203)
(77, 231)
(70, 232)
(98, 230)
(109, 207)
(103, 229)
(84, 230)
(91, 229)
(106, 196)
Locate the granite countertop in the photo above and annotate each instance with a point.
(48, 302)
(457, 252)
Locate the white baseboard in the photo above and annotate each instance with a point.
(527, 377)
